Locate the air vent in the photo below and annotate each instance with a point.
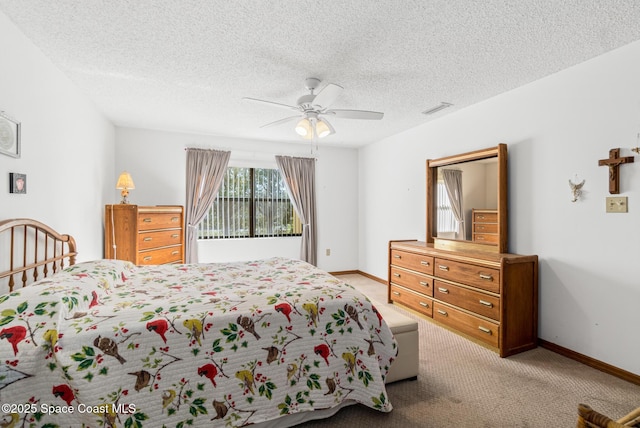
(437, 108)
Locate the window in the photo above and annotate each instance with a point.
(251, 203)
(446, 220)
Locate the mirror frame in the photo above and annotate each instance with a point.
(499, 151)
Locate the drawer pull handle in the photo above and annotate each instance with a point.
(489, 304)
(174, 219)
(175, 235)
(397, 256)
(426, 305)
(397, 275)
(443, 267)
(146, 259)
(484, 329)
(444, 313)
(443, 290)
(396, 293)
(481, 217)
(175, 253)
(424, 284)
(147, 220)
(486, 277)
(424, 263)
(481, 227)
(147, 239)
(480, 238)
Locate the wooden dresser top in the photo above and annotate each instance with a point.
(479, 256)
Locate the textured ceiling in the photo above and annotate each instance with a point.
(186, 65)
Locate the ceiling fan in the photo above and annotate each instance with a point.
(311, 122)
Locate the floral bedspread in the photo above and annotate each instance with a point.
(105, 343)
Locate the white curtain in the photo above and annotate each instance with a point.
(205, 171)
(299, 176)
(446, 223)
(453, 183)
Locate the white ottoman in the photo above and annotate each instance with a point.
(405, 330)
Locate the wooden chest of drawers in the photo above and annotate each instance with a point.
(485, 226)
(488, 297)
(150, 235)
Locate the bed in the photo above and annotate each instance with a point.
(273, 342)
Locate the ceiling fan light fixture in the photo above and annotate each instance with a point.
(303, 128)
(323, 128)
(310, 126)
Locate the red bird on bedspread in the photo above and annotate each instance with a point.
(324, 351)
(284, 308)
(160, 326)
(209, 371)
(14, 335)
(94, 299)
(378, 314)
(64, 391)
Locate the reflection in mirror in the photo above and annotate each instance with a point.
(467, 201)
(462, 190)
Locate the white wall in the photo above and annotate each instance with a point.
(555, 128)
(157, 163)
(67, 145)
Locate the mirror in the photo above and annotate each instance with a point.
(467, 201)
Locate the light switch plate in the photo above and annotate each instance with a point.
(617, 204)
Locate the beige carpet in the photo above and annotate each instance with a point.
(462, 384)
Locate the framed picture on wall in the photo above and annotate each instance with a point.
(9, 136)
(17, 183)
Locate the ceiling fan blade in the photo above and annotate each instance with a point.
(327, 95)
(356, 114)
(271, 103)
(281, 121)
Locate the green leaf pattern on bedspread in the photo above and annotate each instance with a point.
(224, 345)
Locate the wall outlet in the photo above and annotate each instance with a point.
(328, 251)
(617, 204)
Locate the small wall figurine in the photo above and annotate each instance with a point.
(576, 189)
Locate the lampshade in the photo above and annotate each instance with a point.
(322, 129)
(307, 128)
(303, 128)
(125, 182)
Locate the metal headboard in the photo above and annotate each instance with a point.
(30, 250)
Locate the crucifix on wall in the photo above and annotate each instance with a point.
(614, 163)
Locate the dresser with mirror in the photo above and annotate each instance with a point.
(462, 276)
